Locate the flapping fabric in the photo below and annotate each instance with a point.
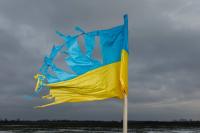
(89, 78)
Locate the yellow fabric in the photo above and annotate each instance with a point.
(124, 71)
(39, 82)
(110, 81)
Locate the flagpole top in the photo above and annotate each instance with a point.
(126, 18)
(125, 15)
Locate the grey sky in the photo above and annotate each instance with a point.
(164, 69)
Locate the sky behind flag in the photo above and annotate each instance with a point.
(164, 46)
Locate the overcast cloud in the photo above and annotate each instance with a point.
(164, 68)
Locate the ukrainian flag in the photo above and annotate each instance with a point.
(89, 79)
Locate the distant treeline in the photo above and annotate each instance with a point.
(15, 124)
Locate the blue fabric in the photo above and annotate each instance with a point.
(111, 44)
(112, 41)
(90, 39)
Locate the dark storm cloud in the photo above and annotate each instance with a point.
(164, 51)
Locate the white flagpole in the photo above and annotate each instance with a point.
(125, 114)
(125, 108)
